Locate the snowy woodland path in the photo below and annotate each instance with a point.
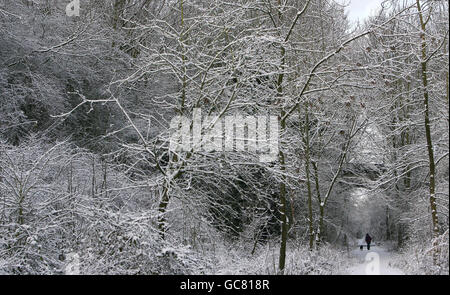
(377, 261)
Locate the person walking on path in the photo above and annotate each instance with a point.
(368, 240)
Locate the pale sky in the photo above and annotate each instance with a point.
(360, 9)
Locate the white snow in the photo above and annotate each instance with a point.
(376, 261)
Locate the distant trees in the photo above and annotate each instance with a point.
(410, 52)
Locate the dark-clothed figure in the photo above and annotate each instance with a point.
(368, 240)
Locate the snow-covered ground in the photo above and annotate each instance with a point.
(377, 261)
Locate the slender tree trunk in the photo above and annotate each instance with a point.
(308, 178)
(283, 209)
(173, 158)
(432, 169)
(93, 191)
(183, 60)
(162, 208)
(388, 232)
(105, 178)
(20, 211)
(319, 199)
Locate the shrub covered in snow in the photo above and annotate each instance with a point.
(301, 261)
(430, 258)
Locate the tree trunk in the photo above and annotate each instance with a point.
(432, 169)
(388, 232)
(319, 199)
(308, 179)
(162, 207)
